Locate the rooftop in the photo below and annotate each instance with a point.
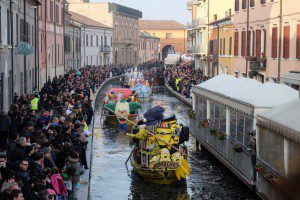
(87, 21)
(113, 7)
(147, 35)
(160, 25)
(250, 91)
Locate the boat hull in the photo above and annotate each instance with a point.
(155, 176)
(112, 120)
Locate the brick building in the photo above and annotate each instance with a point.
(172, 35)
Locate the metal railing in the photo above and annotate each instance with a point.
(105, 49)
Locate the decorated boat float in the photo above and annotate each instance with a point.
(159, 154)
(121, 108)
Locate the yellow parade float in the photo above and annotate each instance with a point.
(159, 154)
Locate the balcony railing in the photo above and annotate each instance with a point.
(200, 22)
(104, 49)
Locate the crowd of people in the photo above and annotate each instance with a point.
(183, 76)
(43, 136)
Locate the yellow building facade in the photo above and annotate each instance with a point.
(226, 47)
(172, 35)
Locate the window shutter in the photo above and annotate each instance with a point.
(221, 47)
(236, 43)
(258, 43)
(286, 42)
(265, 42)
(243, 43)
(224, 47)
(248, 42)
(298, 42)
(274, 42)
(237, 5)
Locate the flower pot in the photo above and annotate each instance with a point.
(213, 131)
(205, 124)
(221, 136)
(260, 169)
(238, 148)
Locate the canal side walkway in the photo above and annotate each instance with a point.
(182, 98)
(83, 192)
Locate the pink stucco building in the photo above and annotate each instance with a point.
(51, 39)
(268, 42)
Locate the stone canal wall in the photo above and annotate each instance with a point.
(84, 190)
(183, 99)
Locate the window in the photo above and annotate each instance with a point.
(56, 13)
(221, 47)
(92, 43)
(87, 40)
(17, 27)
(243, 53)
(101, 40)
(230, 46)
(51, 11)
(298, 42)
(248, 42)
(237, 5)
(169, 35)
(286, 41)
(97, 40)
(8, 27)
(258, 43)
(105, 40)
(244, 4)
(252, 3)
(67, 44)
(224, 46)
(263, 2)
(274, 42)
(236, 43)
(46, 14)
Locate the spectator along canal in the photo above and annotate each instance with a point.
(112, 179)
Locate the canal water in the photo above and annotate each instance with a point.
(111, 179)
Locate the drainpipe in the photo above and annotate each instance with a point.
(12, 44)
(280, 39)
(36, 48)
(64, 30)
(54, 19)
(208, 42)
(73, 47)
(247, 32)
(45, 42)
(218, 51)
(26, 40)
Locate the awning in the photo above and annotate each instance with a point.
(282, 120)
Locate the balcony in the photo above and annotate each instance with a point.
(200, 22)
(105, 49)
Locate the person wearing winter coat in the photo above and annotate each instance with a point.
(58, 184)
(24, 177)
(5, 124)
(74, 163)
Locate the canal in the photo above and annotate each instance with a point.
(111, 179)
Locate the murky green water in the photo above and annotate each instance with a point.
(113, 180)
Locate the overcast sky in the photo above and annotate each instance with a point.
(158, 9)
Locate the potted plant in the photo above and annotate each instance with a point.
(205, 124)
(192, 114)
(221, 136)
(259, 168)
(238, 148)
(213, 131)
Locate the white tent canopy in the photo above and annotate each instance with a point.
(250, 91)
(283, 120)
